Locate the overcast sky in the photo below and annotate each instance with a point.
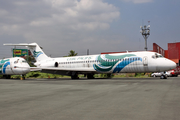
(98, 25)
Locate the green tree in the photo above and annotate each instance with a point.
(72, 53)
(30, 60)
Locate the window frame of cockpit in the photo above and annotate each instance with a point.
(155, 56)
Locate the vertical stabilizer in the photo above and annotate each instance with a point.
(37, 52)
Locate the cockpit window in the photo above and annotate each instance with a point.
(160, 56)
(16, 61)
(24, 61)
(157, 56)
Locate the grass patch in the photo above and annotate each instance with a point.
(37, 74)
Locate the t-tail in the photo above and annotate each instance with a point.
(36, 51)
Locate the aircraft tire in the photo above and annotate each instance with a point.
(74, 77)
(90, 76)
(23, 77)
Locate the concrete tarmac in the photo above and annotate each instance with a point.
(98, 99)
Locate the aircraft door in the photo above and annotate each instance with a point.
(89, 62)
(11, 67)
(145, 61)
(86, 63)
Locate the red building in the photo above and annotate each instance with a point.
(173, 52)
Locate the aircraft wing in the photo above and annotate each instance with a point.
(35, 69)
(61, 71)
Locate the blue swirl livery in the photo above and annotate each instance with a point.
(5, 66)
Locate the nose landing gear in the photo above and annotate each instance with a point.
(23, 77)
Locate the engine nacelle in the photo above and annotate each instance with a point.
(56, 64)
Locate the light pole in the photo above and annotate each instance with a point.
(145, 31)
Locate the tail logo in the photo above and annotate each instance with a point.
(37, 54)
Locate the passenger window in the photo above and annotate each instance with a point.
(24, 61)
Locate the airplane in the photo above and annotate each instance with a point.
(130, 62)
(14, 66)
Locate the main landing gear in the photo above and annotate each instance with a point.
(90, 76)
(7, 76)
(74, 76)
(23, 77)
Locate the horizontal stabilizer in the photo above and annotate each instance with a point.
(20, 44)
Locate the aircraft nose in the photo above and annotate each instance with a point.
(169, 64)
(172, 64)
(165, 65)
(25, 70)
(22, 68)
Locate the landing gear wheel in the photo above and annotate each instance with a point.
(74, 77)
(23, 77)
(109, 76)
(90, 76)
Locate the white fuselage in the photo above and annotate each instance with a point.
(14, 66)
(132, 62)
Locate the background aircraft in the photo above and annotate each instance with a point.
(14, 66)
(130, 62)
